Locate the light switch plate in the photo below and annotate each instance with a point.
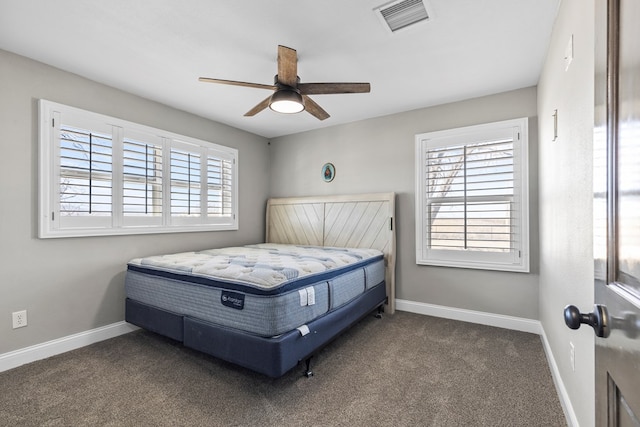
(568, 54)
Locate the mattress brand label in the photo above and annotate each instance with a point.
(233, 300)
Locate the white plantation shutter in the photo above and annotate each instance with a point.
(471, 197)
(142, 182)
(85, 172)
(219, 186)
(81, 181)
(186, 167)
(101, 175)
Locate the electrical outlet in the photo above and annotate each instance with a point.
(19, 319)
(572, 355)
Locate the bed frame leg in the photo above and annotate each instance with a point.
(308, 372)
(379, 312)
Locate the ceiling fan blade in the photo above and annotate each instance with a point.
(287, 66)
(235, 83)
(329, 88)
(261, 106)
(314, 109)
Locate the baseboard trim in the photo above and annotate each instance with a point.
(16, 358)
(565, 401)
(483, 318)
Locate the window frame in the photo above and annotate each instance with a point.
(52, 116)
(515, 260)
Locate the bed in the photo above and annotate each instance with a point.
(325, 264)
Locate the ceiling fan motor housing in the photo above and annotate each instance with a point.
(277, 83)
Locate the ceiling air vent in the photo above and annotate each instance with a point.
(403, 13)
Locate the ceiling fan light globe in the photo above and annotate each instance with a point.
(286, 101)
(286, 107)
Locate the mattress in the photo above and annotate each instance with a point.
(265, 289)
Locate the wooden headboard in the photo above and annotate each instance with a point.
(351, 221)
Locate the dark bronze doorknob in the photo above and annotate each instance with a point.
(598, 320)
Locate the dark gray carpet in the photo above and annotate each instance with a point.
(403, 370)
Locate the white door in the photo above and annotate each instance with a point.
(616, 315)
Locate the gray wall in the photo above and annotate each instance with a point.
(76, 284)
(377, 155)
(565, 188)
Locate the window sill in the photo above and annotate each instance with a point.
(125, 231)
(513, 268)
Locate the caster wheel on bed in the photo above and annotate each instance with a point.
(308, 374)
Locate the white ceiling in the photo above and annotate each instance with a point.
(158, 48)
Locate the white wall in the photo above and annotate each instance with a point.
(377, 155)
(76, 284)
(565, 194)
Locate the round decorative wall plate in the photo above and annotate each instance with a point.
(328, 172)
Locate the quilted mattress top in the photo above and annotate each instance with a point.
(266, 268)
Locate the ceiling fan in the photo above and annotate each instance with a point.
(291, 96)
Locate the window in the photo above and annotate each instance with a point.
(472, 197)
(102, 176)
